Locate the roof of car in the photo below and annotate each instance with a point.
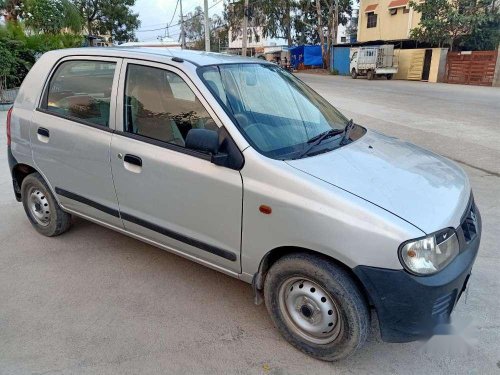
(200, 58)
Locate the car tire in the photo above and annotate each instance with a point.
(41, 207)
(354, 74)
(389, 76)
(317, 306)
(370, 75)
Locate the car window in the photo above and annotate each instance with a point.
(82, 90)
(160, 105)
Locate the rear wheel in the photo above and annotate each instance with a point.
(42, 209)
(370, 74)
(354, 74)
(389, 76)
(316, 306)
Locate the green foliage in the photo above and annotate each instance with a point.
(455, 22)
(294, 20)
(18, 51)
(109, 17)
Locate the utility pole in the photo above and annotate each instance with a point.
(207, 28)
(245, 27)
(183, 35)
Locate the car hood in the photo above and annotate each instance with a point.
(425, 189)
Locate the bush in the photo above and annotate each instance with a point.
(18, 51)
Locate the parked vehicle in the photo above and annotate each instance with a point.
(236, 164)
(373, 61)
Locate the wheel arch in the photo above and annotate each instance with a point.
(19, 172)
(272, 256)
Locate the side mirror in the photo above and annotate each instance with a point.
(203, 140)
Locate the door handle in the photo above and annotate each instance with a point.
(132, 163)
(43, 135)
(132, 159)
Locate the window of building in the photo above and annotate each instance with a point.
(257, 38)
(250, 38)
(371, 20)
(81, 90)
(406, 10)
(393, 11)
(343, 39)
(160, 105)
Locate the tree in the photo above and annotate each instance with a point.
(113, 17)
(194, 27)
(273, 16)
(11, 10)
(324, 22)
(446, 22)
(51, 16)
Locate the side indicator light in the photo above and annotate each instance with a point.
(266, 210)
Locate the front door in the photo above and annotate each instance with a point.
(71, 135)
(168, 194)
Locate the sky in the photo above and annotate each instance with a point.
(155, 14)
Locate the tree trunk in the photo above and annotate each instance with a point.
(288, 23)
(320, 32)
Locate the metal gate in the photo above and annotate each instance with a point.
(471, 67)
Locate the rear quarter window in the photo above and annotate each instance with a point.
(81, 90)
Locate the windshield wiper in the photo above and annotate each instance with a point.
(348, 130)
(317, 139)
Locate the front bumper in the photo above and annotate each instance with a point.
(410, 307)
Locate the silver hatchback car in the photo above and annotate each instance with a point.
(238, 165)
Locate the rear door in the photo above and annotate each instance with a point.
(71, 134)
(169, 194)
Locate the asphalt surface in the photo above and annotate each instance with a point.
(97, 302)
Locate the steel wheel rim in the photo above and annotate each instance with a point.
(39, 206)
(309, 310)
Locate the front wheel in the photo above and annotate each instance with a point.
(354, 74)
(317, 306)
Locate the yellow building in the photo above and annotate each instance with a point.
(390, 21)
(386, 20)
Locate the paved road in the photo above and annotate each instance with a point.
(96, 302)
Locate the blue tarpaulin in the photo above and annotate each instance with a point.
(307, 55)
(312, 56)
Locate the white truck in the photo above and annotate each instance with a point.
(372, 61)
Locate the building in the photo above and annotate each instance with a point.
(256, 42)
(388, 20)
(161, 43)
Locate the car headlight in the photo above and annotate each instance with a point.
(430, 254)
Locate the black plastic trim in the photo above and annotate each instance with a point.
(12, 163)
(180, 237)
(88, 202)
(170, 146)
(151, 226)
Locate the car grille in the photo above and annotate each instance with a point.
(469, 224)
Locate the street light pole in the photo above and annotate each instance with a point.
(207, 28)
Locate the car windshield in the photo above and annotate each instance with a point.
(276, 112)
